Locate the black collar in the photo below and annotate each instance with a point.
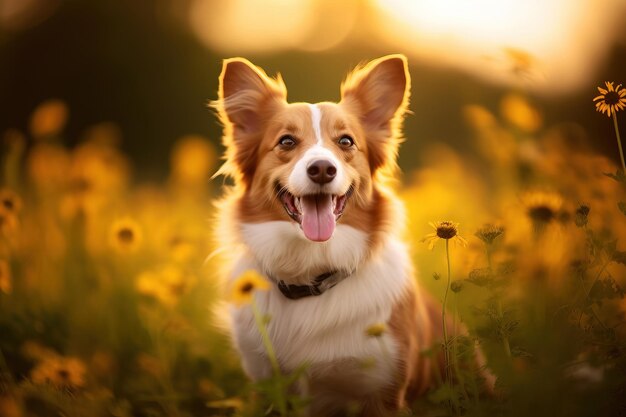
(320, 284)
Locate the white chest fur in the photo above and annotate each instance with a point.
(329, 328)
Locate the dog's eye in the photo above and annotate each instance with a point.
(345, 141)
(287, 141)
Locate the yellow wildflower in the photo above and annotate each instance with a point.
(376, 330)
(46, 165)
(10, 201)
(49, 118)
(611, 99)
(181, 249)
(166, 285)
(60, 371)
(445, 230)
(520, 113)
(542, 207)
(489, 232)
(125, 235)
(192, 160)
(244, 286)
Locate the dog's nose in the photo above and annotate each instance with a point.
(321, 171)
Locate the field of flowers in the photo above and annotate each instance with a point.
(108, 292)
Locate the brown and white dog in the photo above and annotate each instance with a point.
(311, 212)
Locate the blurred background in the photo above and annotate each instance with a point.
(109, 295)
(150, 66)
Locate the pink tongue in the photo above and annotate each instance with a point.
(318, 219)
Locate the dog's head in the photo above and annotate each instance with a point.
(311, 163)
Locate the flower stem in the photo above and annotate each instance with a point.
(453, 402)
(446, 352)
(505, 339)
(267, 343)
(455, 359)
(619, 143)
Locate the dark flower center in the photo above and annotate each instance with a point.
(611, 98)
(582, 210)
(446, 230)
(64, 374)
(125, 235)
(541, 213)
(8, 203)
(580, 219)
(247, 288)
(81, 185)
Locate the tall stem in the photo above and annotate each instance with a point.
(619, 144)
(267, 343)
(446, 353)
(505, 339)
(455, 361)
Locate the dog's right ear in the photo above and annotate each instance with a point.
(247, 97)
(246, 93)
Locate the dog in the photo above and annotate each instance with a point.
(312, 211)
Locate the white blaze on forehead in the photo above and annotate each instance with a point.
(299, 182)
(316, 121)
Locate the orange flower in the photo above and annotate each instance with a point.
(611, 100)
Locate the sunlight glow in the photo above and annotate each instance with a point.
(241, 26)
(250, 25)
(489, 37)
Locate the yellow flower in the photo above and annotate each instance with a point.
(180, 249)
(520, 113)
(10, 201)
(125, 235)
(445, 230)
(376, 330)
(62, 372)
(542, 207)
(166, 285)
(489, 232)
(244, 286)
(5, 277)
(611, 100)
(49, 118)
(192, 160)
(47, 166)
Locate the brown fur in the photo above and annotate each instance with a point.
(374, 99)
(254, 112)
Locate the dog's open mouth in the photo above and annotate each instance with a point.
(317, 214)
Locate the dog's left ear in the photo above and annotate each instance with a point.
(379, 93)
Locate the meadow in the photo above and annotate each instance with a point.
(108, 290)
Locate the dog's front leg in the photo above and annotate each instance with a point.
(249, 343)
